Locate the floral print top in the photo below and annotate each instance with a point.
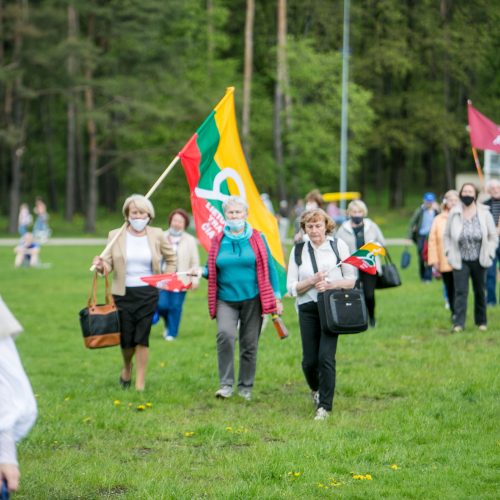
(470, 239)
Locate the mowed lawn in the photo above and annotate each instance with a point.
(415, 415)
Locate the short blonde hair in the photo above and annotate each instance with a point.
(314, 215)
(359, 205)
(141, 202)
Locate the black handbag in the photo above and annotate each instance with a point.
(341, 311)
(100, 323)
(389, 277)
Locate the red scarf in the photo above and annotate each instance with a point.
(266, 293)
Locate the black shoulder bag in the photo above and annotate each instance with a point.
(389, 277)
(341, 311)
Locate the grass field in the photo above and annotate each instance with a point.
(415, 415)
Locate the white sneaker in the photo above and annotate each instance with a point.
(226, 391)
(169, 338)
(246, 394)
(321, 414)
(315, 397)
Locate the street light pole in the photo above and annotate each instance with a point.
(343, 126)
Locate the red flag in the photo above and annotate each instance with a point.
(484, 134)
(168, 282)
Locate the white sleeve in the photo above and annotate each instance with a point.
(292, 277)
(17, 403)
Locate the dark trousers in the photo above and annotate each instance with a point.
(369, 281)
(477, 273)
(450, 289)
(425, 271)
(491, 280)
(318, 354)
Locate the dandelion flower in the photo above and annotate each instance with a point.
(117, 402)
(141, 407)
(394, 467)
(149, 405)
(229, 429)
(368, 477)
(188, 434)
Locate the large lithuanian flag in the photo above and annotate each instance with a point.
(216, 168)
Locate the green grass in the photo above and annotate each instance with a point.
(408, 393)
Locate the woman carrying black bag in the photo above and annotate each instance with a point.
(318, 344)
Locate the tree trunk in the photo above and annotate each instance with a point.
(14, 107)
(71, 121)
(396, 199)
(279, 98)
(247, 78)
(46, 120)
(92, 143)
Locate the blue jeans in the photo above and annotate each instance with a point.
(491, 280)
(170, 309)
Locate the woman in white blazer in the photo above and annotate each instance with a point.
(357, 230)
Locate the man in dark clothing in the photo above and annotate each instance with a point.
(493, 189)
(420, 226)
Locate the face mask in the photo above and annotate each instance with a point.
(467, 200)
(235, 224)
(138, 224)
(357, 219)
(174, 232)
(311, 205)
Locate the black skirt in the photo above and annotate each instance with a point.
(136, 308)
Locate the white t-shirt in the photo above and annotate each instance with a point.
(139, 260)
(325, 260)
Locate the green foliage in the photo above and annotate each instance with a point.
(409, 394)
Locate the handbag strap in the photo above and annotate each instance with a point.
(387, 256)
(93, 291)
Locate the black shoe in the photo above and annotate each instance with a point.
(373, 323)
(125, 383)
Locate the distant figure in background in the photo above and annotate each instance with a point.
(25, 219)
(184, 245)
(356, 231)
(335, 213)
(493, 189)
(41, 230)
(313, 200)
(18, 409)
(267, 202)
(436, 257)
(420, 225)
(283, 220)
(470, 242)
(27, 252)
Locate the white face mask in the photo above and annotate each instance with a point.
(139, 224)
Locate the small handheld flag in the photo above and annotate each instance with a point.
(364, 257)
(169, 282)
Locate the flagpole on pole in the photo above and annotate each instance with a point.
(147, 195)
(478, 165)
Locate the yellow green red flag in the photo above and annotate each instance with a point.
(216, 168)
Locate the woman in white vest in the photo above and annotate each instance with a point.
(357, 230)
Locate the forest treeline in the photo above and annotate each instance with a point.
(97, 96)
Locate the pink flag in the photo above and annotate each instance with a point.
(168, 282)
(484, 134)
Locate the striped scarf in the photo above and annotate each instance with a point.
(266, 294)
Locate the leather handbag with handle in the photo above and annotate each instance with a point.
(389, 277)
(100, 323)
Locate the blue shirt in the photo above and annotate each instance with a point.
(237, 268)
(427, 218)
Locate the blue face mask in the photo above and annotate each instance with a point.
(174, 232)
(235, 224)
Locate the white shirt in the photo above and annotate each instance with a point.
(17, 403)
(139, 260)
(326, 261)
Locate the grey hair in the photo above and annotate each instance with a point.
(235, 200)
(141, 202)
(491, 183)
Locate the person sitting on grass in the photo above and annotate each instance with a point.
(27, 252)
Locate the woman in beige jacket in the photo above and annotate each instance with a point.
(170, 303)
(436, 257)
(138, 251)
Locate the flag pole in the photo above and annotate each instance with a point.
(478, 165)
(147, 195)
